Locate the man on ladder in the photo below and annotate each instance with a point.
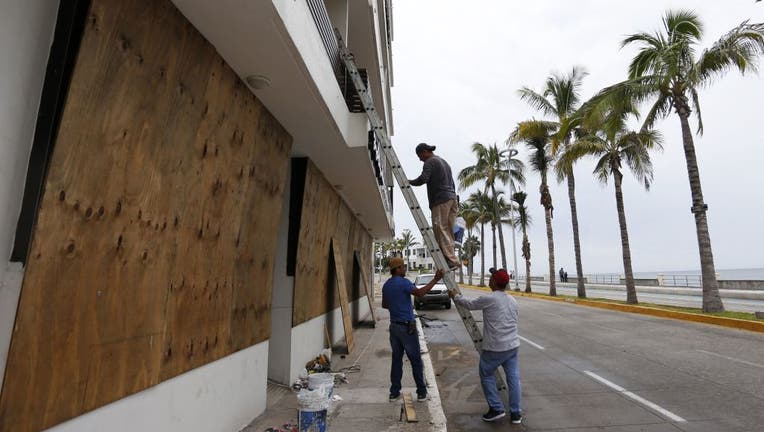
(441, 195)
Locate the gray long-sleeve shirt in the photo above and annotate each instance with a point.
(500, 317)
(440, 183)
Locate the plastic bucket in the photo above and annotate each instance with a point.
(312, 421)
(318, 380)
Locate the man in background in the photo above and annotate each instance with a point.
(441, 195)
(500, 345)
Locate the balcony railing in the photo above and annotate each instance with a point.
(326, 31)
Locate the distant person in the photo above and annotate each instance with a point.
(565, 276)
(562, 274)
(500, 345)
(396, 297)
(441, 195)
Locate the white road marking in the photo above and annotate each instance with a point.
(732, 359)
(531, 343)
(664, 412)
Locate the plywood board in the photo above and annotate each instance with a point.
(347, 323)
(154, 248)
(367, 290)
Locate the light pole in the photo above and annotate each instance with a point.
(513, 153)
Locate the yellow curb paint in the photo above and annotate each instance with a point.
(662, 313)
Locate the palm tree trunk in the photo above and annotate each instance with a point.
(502, 248)
(527, 248)
(493, 245)
(459, 256)
(631, 290)
(576, 241)
(712, 302)
(472, 256)
(514, 245)
(482, 255)
(546, 197)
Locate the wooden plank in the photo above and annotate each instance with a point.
(365, 282)
(407, 408)
(343, 297)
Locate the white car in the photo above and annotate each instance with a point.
(438, 295)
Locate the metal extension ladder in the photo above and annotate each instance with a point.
(428, 235)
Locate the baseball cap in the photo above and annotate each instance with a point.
(492, 270)
(500, 277)
(424, 146)
(396, 262)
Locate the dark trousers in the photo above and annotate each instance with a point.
(400, 342)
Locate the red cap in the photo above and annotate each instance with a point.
(501, 278)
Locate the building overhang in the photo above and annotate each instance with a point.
(278, 40)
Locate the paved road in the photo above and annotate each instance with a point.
(588, 369)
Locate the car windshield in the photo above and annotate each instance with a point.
(423, 280)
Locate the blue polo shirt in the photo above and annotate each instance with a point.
(397, 291)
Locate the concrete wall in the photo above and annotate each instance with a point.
(26, 33)
(222, 396)
(641, 282)
(742, 284)
(282, 297)
(308, 337)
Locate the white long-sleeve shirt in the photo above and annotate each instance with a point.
(500, 318)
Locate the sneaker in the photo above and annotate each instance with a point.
(423, 398)
(516, 418)
(493, 415)
(394, 398)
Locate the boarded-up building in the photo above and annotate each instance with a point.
(181, 182)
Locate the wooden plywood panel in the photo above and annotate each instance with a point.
(317, 225)
(154, 248)
(347, 322)
(325, 216)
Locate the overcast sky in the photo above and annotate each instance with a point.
(458, 65)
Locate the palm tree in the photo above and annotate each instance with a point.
(524, 220)
(483, 205)
(537, 135)
(493, 166)
(561, 99)
(470, 215)
(669, 71)
(470, 248)
(614, 146)
(407, 242)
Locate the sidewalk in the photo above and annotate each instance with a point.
(364, 405)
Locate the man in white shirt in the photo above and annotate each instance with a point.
(500, 345)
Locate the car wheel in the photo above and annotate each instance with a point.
(448, 305)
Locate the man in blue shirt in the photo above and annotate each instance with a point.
(396, 297)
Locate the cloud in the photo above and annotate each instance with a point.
(458, 65)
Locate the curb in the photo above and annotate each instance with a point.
(644, 310)
(434, 405)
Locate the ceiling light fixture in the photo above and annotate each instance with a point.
(258, 82)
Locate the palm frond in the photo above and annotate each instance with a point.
(660, 110)
(695, 99)
(739, 48)
(683, 25)
(591, 145)
(536, 101)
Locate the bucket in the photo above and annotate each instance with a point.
(318, 380)
(312, 421)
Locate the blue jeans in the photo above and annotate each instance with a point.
(400, 342)
(489, 362)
